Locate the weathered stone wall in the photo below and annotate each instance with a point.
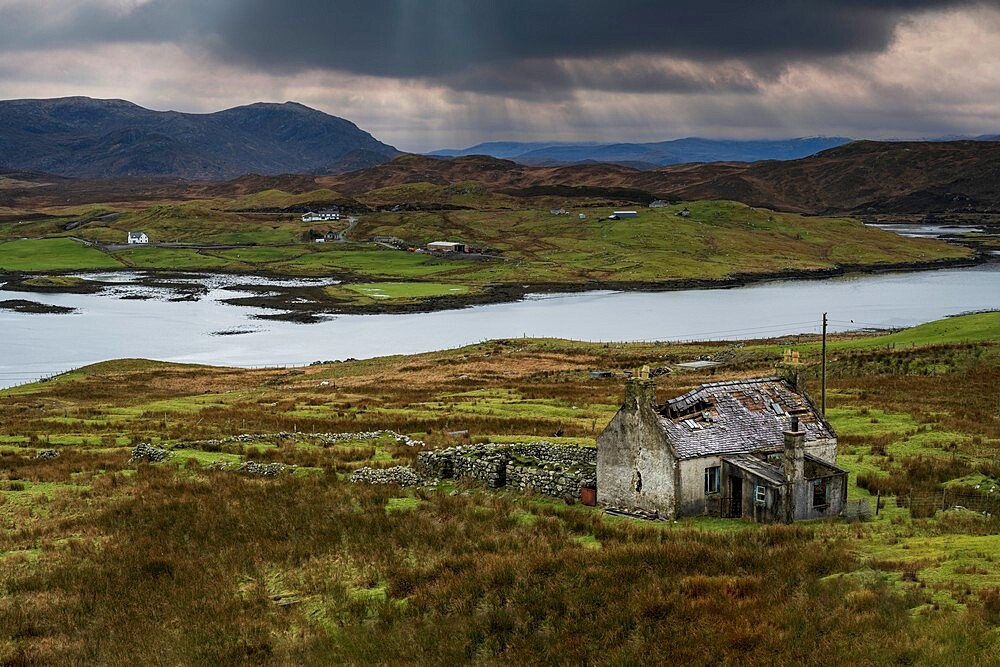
(691, 487)
(556, 470)
(401, 475)
(825, 449)
(561, 484)
(636, 469)
(486, 465)
(147, 452)
(435, 464)
(328, 438)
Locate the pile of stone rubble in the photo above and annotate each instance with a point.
(328, 438)
(401, 475)
(147, 452)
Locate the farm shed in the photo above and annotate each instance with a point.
(446, 246)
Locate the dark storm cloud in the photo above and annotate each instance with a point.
(448, 39)
(512, 47)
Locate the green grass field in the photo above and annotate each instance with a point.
(397, 292)
(55, 254)
(719, 240)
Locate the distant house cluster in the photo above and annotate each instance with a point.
(325, 214)
(562, 211)
(137, 237)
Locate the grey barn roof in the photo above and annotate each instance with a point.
(773, 472)
(736, 417)
(758, 467)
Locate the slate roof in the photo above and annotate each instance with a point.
(737, 417)
(774, 473)
(758, 467)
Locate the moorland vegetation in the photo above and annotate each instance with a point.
(105, 560)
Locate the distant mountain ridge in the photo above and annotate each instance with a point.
(89, 138)
(650, 155)
(861, 177)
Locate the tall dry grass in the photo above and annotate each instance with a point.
(184, 569)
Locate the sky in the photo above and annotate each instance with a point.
(427, 74)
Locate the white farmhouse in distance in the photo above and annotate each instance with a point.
(325, 214)
(137, 237)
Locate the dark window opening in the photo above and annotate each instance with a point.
(713, 480)
(820, 491)
(638, 482)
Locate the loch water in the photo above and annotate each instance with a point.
(115, 324)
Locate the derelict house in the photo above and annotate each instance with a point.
(753, 449)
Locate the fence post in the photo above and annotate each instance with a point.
(878, 501)
(944, 494)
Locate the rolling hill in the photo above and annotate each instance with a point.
(649, 155)
(100, 139)
(860, 177)
(863, 177)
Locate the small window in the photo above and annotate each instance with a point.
(820, 491)
(713, 479)
(759, 494)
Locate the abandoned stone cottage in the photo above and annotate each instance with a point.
(754, 449)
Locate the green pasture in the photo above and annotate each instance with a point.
(53, 254)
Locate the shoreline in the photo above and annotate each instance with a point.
(510, 293)
(309, 304)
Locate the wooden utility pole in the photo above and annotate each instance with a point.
(822, 408)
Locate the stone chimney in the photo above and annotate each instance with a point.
(640, 391)
(791, 369)
(794, 466)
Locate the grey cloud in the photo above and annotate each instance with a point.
(409, 38)
(509, 47)
(554, 80)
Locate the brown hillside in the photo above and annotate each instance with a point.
(864, 176)
(861, 177)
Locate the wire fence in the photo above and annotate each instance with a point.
(924, 504)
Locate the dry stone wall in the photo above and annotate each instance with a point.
(401, 475)
(328, 438)
(541, 467)
(147, 452)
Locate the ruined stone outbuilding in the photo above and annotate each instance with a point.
(756, 449)
(540, 467)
